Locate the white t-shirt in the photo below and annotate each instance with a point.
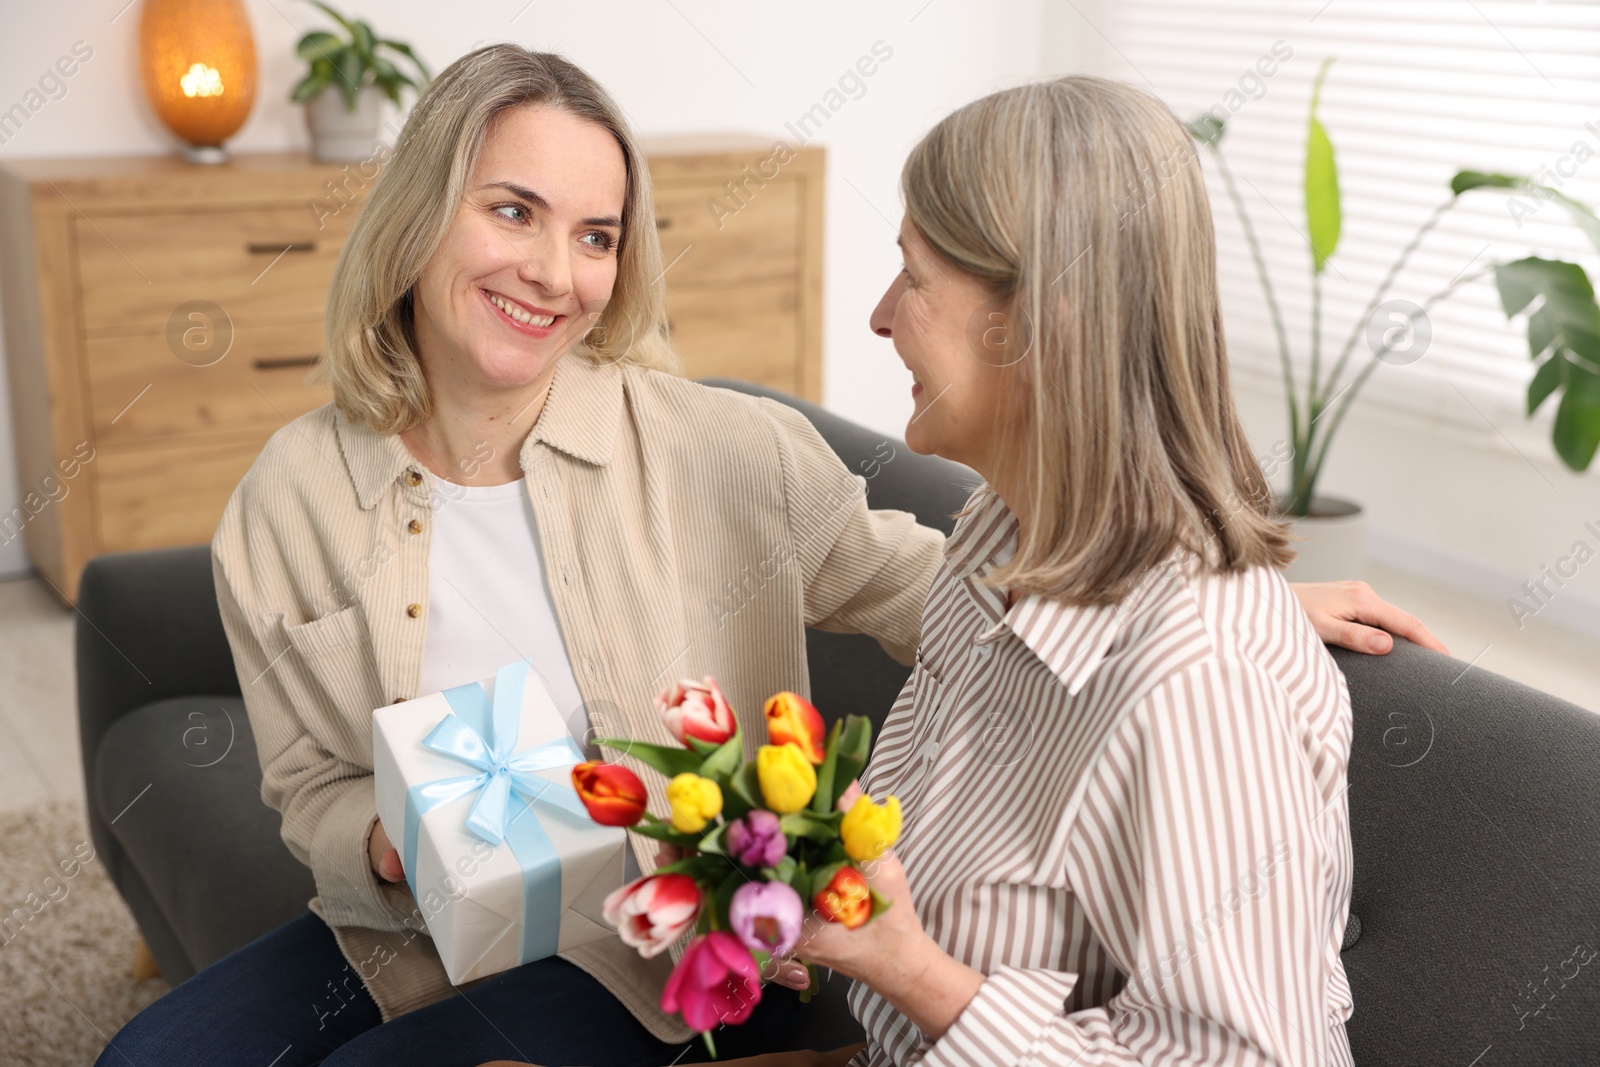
(488, 604)
(487, 600)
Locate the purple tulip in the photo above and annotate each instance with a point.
(755, 840)
(766, 917)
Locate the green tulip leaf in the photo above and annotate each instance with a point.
(668, 760)
(825, 796)
(724, 761)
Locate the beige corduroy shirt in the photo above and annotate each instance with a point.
(685, 530)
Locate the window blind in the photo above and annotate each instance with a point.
(1419, 90)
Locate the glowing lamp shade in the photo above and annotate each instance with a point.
(199, 66)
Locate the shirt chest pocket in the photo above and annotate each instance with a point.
(335, 655)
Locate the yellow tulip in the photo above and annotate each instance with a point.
(868, 829)
(788, 781)
(695, 801)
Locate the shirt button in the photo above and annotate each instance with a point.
(415, 525)
(413, 610)
(983, 651)
(413, 477)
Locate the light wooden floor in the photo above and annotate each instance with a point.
(39, 721)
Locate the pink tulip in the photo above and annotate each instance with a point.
(696, 709)
(653, 912)
(766, 917)
(756, 840)
(716, 981)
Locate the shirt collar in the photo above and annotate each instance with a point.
(1072, 640)
(580, 417)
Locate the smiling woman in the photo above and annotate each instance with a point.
(495, 341)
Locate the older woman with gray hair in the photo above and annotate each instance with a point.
(510, 470)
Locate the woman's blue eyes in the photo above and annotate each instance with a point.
(605, 241)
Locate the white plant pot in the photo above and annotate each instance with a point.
(1332, 542)
(339, 135)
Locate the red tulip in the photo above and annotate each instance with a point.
(653, 912)
(792, 720)
(715, 982)
(846, 899)
(698, 710)
(612, 793)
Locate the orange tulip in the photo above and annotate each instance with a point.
(613, 794)
(845, 899)
(791, 719)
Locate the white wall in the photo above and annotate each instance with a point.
(1459, 486)
(682, 66)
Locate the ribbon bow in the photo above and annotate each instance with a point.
(485, 737)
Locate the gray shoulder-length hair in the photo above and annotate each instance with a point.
(1080, 204)
(370, 355)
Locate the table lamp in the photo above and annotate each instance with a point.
(199, 67)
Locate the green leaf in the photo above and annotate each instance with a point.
(1541, 333)
(1585, 219)
(1477, 179)
(700, 868)
(405, 50)
(362, 37)
(699, 747)
(724, 761)
(746, 785)
(783, 872)
(711, 844)
(854, 747)
(1550, 376)
(318, 44)
(724, 894)
(670, 761)
(340, 19)
(1207, 129)
(880, 903)
(824, 798)
(1577, 428)
(820, 879)
(1568, 296)
(309, 88)
(812, 825)
(351, 71)
(1323, 214)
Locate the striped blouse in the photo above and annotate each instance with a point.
(1131, 819)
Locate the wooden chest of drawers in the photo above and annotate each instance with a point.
(138, 402)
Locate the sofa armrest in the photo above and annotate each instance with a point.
(148, 629)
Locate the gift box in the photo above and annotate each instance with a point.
(474, 788)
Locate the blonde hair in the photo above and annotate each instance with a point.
(371, 356)
(1080, 204)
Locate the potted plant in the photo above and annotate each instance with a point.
(344, 125)
(1563, 322)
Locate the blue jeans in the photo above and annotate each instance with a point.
(289, 999)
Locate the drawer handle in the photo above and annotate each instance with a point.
(663, 224)
(268, 248)
(286, 361)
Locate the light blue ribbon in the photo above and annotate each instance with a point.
(484, 736)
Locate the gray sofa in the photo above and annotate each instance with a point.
(1473, 806)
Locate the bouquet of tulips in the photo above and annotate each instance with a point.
(759, 842)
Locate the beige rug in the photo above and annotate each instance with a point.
(66, 943)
